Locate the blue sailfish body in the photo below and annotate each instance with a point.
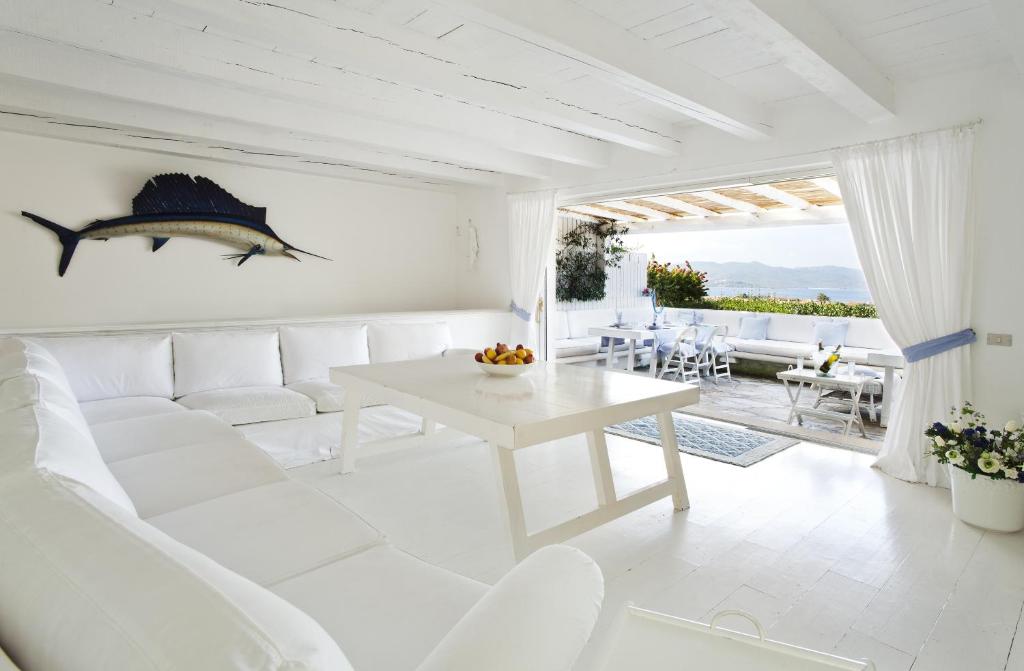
(178, 205)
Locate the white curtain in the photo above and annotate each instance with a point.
(908, 201)
(531, 235)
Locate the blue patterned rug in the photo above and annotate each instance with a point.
(732, 444)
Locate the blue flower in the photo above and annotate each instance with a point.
(938, 426)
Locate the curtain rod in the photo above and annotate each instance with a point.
(961, 126)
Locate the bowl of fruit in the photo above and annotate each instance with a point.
(505, 361)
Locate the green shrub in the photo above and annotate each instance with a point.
(792, 306)
(676, 284)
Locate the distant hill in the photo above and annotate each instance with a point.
(760, 276)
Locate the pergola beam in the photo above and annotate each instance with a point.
(646, 212)
(779, 196)
(829, 214)
(681, 205)
(829, 184)
(810, 46)
(728, 201)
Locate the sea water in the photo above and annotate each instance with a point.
(837, 295)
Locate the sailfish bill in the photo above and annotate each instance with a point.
(178, 205)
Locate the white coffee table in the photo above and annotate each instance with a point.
(552, 401)
(796, 378)
(632, 335)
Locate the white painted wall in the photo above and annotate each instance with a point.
(807, 127)
(487, 284)
(394, 248)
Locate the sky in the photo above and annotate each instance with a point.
(790, 247)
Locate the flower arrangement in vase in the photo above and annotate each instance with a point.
(986, 468)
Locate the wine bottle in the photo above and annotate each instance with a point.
(827, 364)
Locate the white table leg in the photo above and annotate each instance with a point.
(888, 391)
(653, 370)
(632, 354)
(793, 399)
(610, 361)
(350, 430)
(511, 501)
(428, 427)
(604, 484)
(673, 462)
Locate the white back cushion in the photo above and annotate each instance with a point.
(794, 328)
(100, 367)
(308, 352)
(225, 360)
(399, 341)
(86, 587)
(869, 333)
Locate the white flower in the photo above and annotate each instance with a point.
(1011, 426)
(987, 464)
(956, 427)
(1010, 473)
(939, 441)
(955, 457)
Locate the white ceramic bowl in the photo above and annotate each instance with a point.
(505, 371)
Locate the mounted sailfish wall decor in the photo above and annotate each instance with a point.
(177, 205)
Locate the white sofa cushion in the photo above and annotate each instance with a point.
(753, 327)
(309, 352)
(136, 436)
(160, 482)
(402, 341)
(225, 360)
(85, 586)
(31, 390)
(246, 405)
(781, 348)
(580, 321)
(18, 357)
(115, 409)
(567, 347)
(270, 533)
(830, 333)
(385, 608)
(329, 397)
(101, 367)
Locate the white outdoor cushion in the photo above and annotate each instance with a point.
(18, 357)
(32, 390)
(753, 327)
(385, 608)
(537, 617)
(160, 482)
(566, 347)
(399, 341)
(136, 436)
(87, 587)
(270, 533)
(309, 352)
(101, 367)
(580, 321)
(330, 397)
(794, 328)
(115, 409)
(297, 442)
(246, 405)
(225, 360)
(870, 334)
(782, 348)
(830, 333)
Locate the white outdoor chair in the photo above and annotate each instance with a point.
(682, 360)
(718, 354)
(700, 351)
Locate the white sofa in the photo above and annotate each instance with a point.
(271, 381)
(160, 538)
(789, 337)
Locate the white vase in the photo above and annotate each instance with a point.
(997, 505)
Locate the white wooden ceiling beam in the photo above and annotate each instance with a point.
(615, 55)
(103, 28)
(601, 214)
(362, 45)
(647, 212)
(680, 205)
(778, 195)
(43, 61)
(126, 120)
(734, 203)
(810, 46)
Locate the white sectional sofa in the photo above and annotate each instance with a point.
(136, 533)
(270, 381)
(788, 338)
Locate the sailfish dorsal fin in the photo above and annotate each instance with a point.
(177, 193)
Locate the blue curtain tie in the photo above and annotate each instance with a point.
(519, 312)
(930, 348)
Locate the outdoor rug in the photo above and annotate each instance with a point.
(729, 443)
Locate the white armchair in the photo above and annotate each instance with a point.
(536, 618)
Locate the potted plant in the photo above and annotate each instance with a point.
(986, 468)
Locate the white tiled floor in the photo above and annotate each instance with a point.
(827, 552)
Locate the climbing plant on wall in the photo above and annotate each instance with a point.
(585, 252)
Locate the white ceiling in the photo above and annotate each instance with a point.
(439, 92)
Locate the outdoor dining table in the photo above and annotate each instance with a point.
(632, 335)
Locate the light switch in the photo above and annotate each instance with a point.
(1003, 339)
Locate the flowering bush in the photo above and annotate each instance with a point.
(968, 444)
(675, 284)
